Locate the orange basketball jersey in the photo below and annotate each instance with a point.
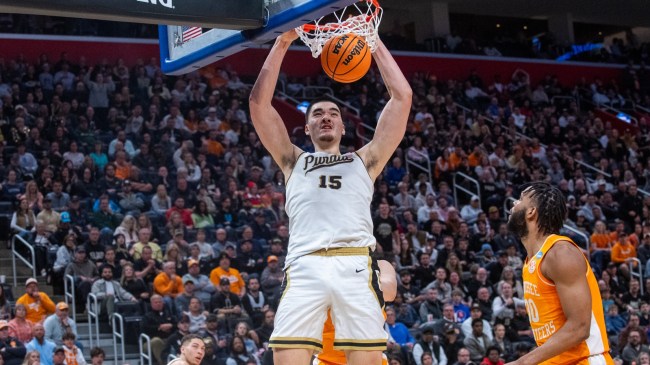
(330, 356)
(546, 314)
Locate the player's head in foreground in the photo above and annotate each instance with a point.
(540, 211)
(192, 349)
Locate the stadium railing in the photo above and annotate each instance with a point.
(118, 333)
(145, 351)
(636, 270)
(426, 167)
(18, 241)
(93, 318)
(69, 295)
(459, 185)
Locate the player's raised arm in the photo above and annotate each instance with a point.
(268, 123)
(392, 121)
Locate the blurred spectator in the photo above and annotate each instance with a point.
(226, 305)
(255, 303)
(109, 291)
(168, 284)
(146, 267)
(173, 343)
(72, 353)
(467, 325)
(13, 351)
(19, 326)
(634, 347)
(37, 304)
(158, 324)
(59, 323)
(144, 235)
(134, 284)
(225, 271)
(85, 273)
(203, 287)
(97, 356)
(42, 345)
(477, 342)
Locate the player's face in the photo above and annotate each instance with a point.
(193, 352)
(325, 123)
(517, 220)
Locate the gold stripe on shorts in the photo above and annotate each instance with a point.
(296, 343)
(342, 251)
(362, 345)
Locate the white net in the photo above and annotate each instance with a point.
(361, 18)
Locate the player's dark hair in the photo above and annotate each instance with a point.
(187, 338)
(550, 204)
(320, 99)
(492, 348)
(97, 351)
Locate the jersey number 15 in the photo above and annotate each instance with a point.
(332, 182)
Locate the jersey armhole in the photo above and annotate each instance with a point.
(286, 183)
(548, 281)
(365, 167)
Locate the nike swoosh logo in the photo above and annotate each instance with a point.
(358, 271)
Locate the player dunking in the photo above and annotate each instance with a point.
(328, 265)
(560, 290)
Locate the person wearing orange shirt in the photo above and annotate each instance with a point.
(122, 166)
(601, 246)
(168, 284)
(37, 304)
(559, 285)
(623, 254)
(237, 285)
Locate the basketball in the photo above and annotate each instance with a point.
(346, 58)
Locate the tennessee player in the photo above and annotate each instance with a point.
(559, 285)
(330, 356)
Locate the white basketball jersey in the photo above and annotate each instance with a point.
(328, 204)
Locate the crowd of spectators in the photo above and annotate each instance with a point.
(156, 191)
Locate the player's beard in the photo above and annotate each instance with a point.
(517, 223)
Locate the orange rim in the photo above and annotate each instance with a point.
(335, 26)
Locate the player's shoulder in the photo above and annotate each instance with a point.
(564, 258)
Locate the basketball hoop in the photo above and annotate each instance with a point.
(361, 18)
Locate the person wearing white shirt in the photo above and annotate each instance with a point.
(475, 312)
(212, 119)
(520, 119)
(175, 115)
(425, 211)
(470, 212)
(128, 145)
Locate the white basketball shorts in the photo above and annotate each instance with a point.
(345, 280)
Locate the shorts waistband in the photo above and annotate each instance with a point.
(343, 251)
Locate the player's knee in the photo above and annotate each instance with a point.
(388, 280)
(363, 357)
(283, 356)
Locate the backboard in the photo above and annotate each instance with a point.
(180, 55)
(231, 14)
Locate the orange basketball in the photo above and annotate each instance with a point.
(346, 58)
